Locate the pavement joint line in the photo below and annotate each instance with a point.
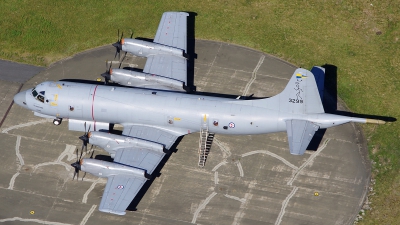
(253, 75)
(21, 163)
(155, 192)
(219, 165)
(273, 155)
(242, 200)
(243, 206)
(17, 144)
(216, 180)
(239, 165)
(202, 206)
(31, 220)
(5, 131)
(88, 214)
(284, 204)
(312, 157)
(215, 58)
(244, 71)
(90, 189)
(223, 148)
(69, 152)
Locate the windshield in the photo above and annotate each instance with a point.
(34, 92)
(37, 96)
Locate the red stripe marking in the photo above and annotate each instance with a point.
(94, 93)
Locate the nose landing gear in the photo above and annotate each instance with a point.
(57, 121)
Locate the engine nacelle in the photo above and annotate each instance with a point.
(101, 168)
(145, 48)
(79, 125)
(139, 79)
(112, 142)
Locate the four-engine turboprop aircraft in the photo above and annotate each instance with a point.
(154, 115)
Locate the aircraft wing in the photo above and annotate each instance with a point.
(300, 133)
(121, 189)
(119, 192)
(170, 66)
(172, 30)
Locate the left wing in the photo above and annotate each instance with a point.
(169, 66)
(172, 31)
(122, 189)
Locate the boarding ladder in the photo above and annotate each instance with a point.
(205, 141)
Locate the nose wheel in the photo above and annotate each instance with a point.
(57, 121)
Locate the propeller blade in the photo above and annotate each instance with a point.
(84, 176)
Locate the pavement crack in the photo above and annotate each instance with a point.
(296, 173)
(253, 75)
(284, 205)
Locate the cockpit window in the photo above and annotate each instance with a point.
(34, 93)
(40, 98)
(37, 96)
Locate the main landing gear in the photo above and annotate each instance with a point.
(57, 121)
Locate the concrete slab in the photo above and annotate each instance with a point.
(246, 180)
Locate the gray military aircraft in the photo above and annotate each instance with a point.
(158, 110)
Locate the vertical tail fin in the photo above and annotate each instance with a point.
(301, 95)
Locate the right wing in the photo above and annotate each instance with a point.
(300, 133)
(119, 192)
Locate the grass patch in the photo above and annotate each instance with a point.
(361, 38)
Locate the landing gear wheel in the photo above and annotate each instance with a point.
(57, 122)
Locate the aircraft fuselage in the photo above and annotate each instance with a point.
(170, 110)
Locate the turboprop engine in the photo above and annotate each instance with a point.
(101, 168)
(112, 142)
(145, 48)
(139, 79)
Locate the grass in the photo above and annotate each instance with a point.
(360, 37)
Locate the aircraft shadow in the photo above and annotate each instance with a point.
(156, 173)
(330, 101)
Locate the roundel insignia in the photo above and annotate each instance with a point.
(231, 125)
(120, 187)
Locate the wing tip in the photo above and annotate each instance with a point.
(121, 213)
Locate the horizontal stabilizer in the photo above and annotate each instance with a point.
(300, 133)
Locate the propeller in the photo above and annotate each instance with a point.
(91, 156)
(123, 58)
(85, 138)
(77, 165)
(107, 74)
(118, 45)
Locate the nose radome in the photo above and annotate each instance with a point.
(20, 99)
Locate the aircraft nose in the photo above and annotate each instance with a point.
(20, 99)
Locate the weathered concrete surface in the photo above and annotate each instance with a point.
(246, 180)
